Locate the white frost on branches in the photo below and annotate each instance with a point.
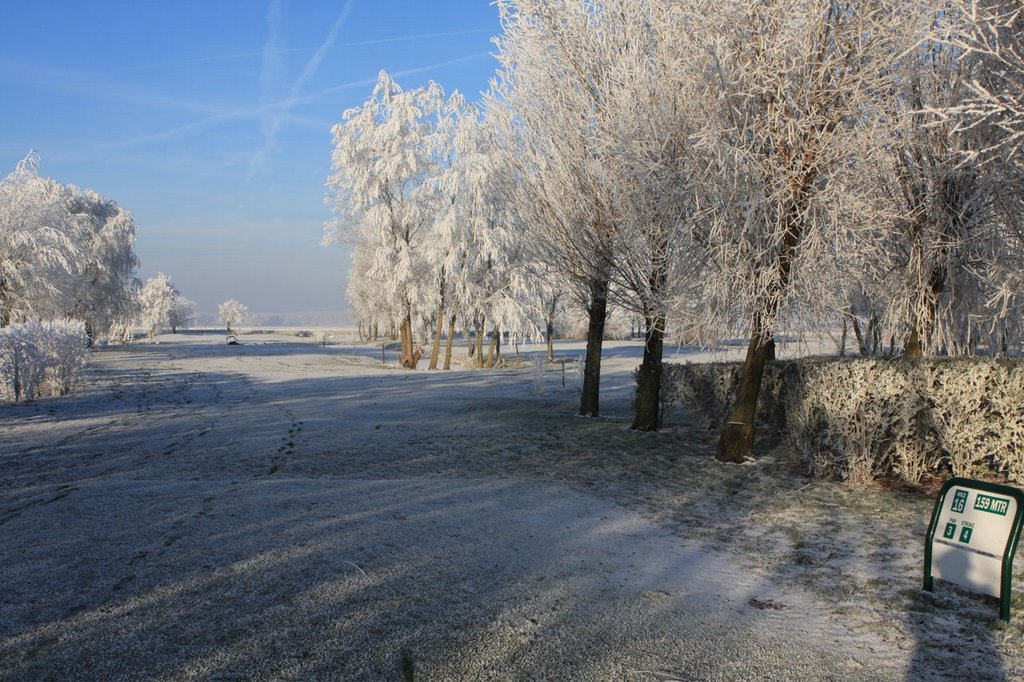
(64, 253)
(40, 359)
(726, 167)
(232, 313)
(156, 303)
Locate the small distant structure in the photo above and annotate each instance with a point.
(233, 340)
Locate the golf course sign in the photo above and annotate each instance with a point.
(973, 536)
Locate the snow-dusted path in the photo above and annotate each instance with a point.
(284, 512)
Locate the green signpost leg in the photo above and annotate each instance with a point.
(932, 525)
(1011, 550)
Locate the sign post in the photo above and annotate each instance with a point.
(973, 536)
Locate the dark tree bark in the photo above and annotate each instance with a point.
(648, 389)
(924, 326)
(596, 312)
(494, 350)
(410, 356)
(448, 344)
(5, 303)
(435, 352)
(479, 328)
(862, 345)
(549, 328)
(737, 438)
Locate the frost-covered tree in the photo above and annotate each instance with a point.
(479, 239)
(361, 295)
(183, 313)
(39, 245)
(990, 36)
(156, 303)
(41, 358)
(106, 288)
(599, 96)
(938, 262)
(650, 71)
(445, 250)
(382, 161)
(991, 32)
(550, 93)
(64, 253)
(232, 313)
(791, 112)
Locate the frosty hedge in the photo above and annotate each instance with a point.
(855, 420)
(40, 359)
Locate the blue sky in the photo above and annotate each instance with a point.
(211, 121)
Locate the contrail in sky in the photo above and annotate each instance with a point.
(291, 103)
(272, 124)
(394, 74)
(356, 43)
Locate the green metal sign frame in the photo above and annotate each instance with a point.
(1006, 576)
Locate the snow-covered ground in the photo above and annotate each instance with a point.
(280, 510)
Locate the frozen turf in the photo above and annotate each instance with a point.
(278, 511)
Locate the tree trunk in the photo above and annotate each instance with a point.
(549, 328)
(590, 396)
(479, 341)
(5, 304)
(736, 442)
(495, 347)
(448, 344)
(737, 439)
(435, 352)
(409, 357)
(862, 344)
(914, 347)
(842, 341)
(921, 334)
(16, 375)
(648, 381)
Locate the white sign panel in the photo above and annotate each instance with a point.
(971, 537)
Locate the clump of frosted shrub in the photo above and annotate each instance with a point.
(39, 359)
(856, 420)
